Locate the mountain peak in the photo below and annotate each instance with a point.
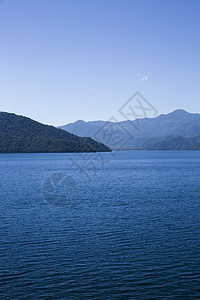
(179, 112)
(79, 122)
(176, 114)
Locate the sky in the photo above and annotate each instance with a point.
(65, 60)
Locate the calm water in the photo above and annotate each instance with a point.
(128, 230)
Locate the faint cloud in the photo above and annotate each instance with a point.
(92, 90)
(143, 77)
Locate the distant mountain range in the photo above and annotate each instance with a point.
(19, 134)
(178, 130)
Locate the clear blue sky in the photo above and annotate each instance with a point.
(82, 59)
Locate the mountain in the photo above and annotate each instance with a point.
(168, 143)
(142, 133)
(21, 134)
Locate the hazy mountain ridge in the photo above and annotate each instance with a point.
(22, 134)
(147, 133)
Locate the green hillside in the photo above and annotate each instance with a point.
(19, 134)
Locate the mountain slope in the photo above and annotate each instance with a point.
(175, 124)
(175, 143)
(21, 134)
(168, 143)
(85, 128)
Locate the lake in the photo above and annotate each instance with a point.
(100, 226)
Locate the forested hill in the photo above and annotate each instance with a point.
(20, 134)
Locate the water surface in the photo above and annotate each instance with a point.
(131, 230)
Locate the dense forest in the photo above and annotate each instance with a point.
(19, 134)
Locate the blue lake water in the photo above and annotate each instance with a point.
(108, 227)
